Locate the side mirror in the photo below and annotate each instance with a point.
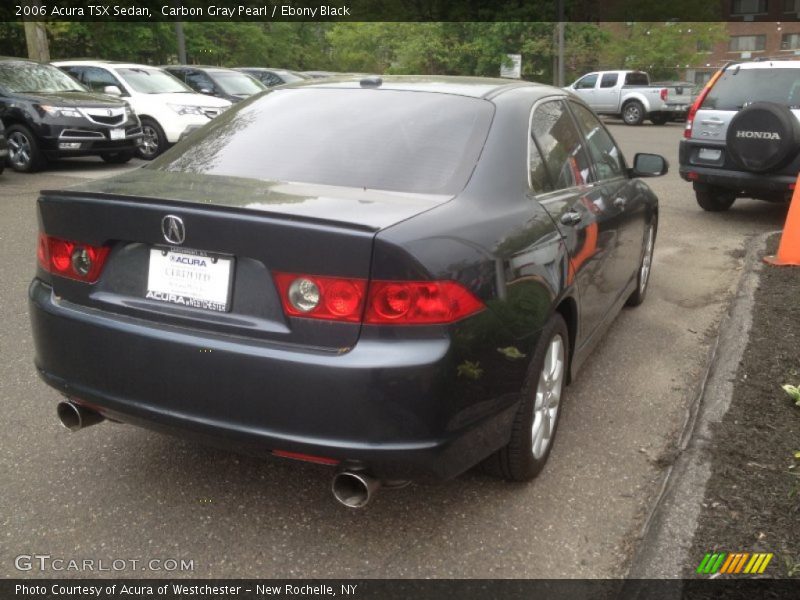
(112, 90)
(649, 165)
(206, 91)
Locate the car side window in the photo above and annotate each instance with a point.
(565, 160)
(270, 79)
(609, 80)
(97, 79)
(605, 154)
(586, 83)
(199, 81)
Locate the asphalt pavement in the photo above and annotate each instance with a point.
(115, 492)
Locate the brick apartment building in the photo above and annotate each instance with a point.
(755, 29)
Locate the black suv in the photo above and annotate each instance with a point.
(217, 81)
(49, 115)
(742, 135)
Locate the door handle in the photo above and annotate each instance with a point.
(571, 217)
(620, 203)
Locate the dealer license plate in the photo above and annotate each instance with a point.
(709, 153)
(116, 134)
(190, 278)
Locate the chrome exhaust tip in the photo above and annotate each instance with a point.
(354, 489)
(75, 417)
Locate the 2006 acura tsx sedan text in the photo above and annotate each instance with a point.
(394, 276)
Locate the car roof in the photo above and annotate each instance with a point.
(767, 64)
(104, 63)
(476, 87)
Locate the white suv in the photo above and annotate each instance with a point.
(166, 106)
(742, 135)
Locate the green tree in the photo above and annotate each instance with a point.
(661, 49)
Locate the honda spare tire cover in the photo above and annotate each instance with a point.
(763, 136)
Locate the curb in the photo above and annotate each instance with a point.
(663, 547)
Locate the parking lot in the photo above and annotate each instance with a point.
(117, 492)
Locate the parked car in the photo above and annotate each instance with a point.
(273, 77)
(742, 136)
(629, 95)
(48, 115)
(681, 94)
(216, 81)
(165, 105)
(399, 311)
(3, 148)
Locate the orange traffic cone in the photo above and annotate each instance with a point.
(789, 248)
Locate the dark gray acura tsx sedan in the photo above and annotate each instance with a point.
(396, 277)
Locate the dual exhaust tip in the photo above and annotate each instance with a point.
(353, 489)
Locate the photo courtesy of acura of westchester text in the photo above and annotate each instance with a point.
(341, 294)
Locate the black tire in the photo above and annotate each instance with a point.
(714, 199)
(117, 158)
(517, 461)
(24, 154)
(658, 119)
(645, 265)
(633, 113)
(154, 141)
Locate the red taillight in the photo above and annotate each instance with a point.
(380, 302)
(664, 92)
(687, 132)
(82, 262)
(419, 302)
(333, 298)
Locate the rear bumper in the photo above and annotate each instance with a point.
(388, 404)
(724, 173)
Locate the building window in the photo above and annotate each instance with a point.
(702, 77)
(748, 7)
(791, 6)
(790, 41)
(705, 46)
(747, 43)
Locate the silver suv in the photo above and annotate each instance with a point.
(742, 135)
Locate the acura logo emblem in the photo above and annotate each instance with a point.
(173, 229)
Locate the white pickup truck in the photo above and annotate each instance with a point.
(628, 94)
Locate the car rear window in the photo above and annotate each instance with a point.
(636, 79)
(403, 141)
(739, 87)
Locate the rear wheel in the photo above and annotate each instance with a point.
(536, 421)
(154, 142)
(633, 113)
(24, 154)
(714, 199)
(117, 158)
(643, 277)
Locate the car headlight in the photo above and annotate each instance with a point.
(187, 109)
(60, 111)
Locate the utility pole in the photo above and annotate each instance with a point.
(560, 81)
(36, 37)
(181, 42)
(180, 37)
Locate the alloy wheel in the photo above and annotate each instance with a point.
(150, 141)
(548, 397)
(19, 149)
(647, 259)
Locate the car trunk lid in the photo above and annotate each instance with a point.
(256, 228)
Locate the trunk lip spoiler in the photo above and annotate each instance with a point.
(50, 195)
